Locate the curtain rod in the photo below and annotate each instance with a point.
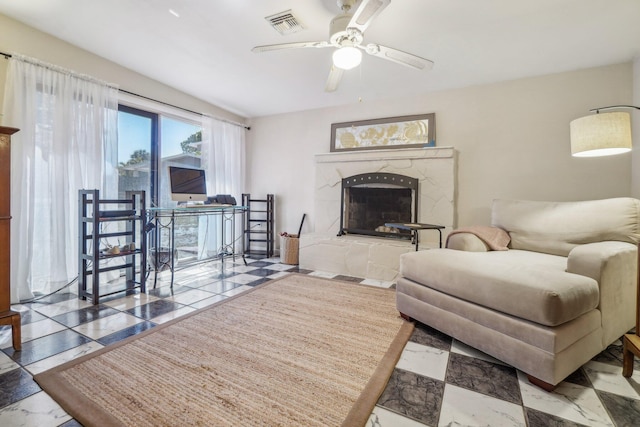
(8, 55)
(184, 109)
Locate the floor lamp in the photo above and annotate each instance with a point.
(602, 135)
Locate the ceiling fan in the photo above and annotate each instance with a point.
(346, 35)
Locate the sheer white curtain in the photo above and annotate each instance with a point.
(223, 159)
(67, 141)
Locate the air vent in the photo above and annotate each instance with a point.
(285, 22)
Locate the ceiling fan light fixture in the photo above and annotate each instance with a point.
(347, 57)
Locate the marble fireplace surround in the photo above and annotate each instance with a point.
(374, 257)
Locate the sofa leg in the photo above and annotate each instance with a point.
(543, 385)
(405, 317)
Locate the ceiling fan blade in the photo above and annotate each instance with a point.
(334, 79)
(298, 45)
(398, 56)
(366, 13)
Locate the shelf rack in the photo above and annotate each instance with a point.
(259, 225)
(95, 214)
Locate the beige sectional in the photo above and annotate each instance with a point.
(563, 291)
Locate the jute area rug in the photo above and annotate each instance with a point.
(298, 351)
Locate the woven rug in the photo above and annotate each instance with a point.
(298, 351)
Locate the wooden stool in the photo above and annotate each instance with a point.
(630, 347)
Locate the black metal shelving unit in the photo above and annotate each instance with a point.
(94, 216)
(258, 225)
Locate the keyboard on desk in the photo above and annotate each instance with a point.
(209, 205)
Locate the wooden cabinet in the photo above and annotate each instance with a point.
(7, 316)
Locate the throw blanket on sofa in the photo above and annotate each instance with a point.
(496, 238)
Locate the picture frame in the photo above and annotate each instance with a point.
(415, 131)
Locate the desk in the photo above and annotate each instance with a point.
(414, 227)
(165, 219)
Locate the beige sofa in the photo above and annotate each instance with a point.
(563, 291)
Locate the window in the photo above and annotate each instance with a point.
(180, 147)
(148, 143)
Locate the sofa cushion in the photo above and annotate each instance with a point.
(529, 285)
(558, 227)
(550, 339)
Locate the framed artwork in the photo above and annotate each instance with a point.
(392, 132)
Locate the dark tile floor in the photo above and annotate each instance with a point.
(438, 381)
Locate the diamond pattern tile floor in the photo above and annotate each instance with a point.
(438, 381)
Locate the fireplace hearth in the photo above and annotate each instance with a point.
(371, 200)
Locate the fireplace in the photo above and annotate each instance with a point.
(365, 256)
(371, 200)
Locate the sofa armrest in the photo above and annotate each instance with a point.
(466, 242)
(614, 266)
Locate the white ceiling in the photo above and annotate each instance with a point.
(206, 52)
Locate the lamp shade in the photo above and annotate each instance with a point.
(601, 134)
(347, 57)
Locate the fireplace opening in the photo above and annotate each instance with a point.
(369, 201)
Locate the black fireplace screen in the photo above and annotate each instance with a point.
(369, 201)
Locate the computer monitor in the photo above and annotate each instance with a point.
(187, 185)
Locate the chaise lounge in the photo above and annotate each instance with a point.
(560, 291)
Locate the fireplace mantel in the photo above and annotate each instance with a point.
(435, 169)
(391, 154)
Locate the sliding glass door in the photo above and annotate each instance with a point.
(137, 151)
(148, 143)
(180, 146)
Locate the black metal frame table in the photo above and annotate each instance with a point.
(414, 227)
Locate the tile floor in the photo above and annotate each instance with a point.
(438, 381)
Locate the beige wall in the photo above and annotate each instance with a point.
(512, 139)
(19, 38)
